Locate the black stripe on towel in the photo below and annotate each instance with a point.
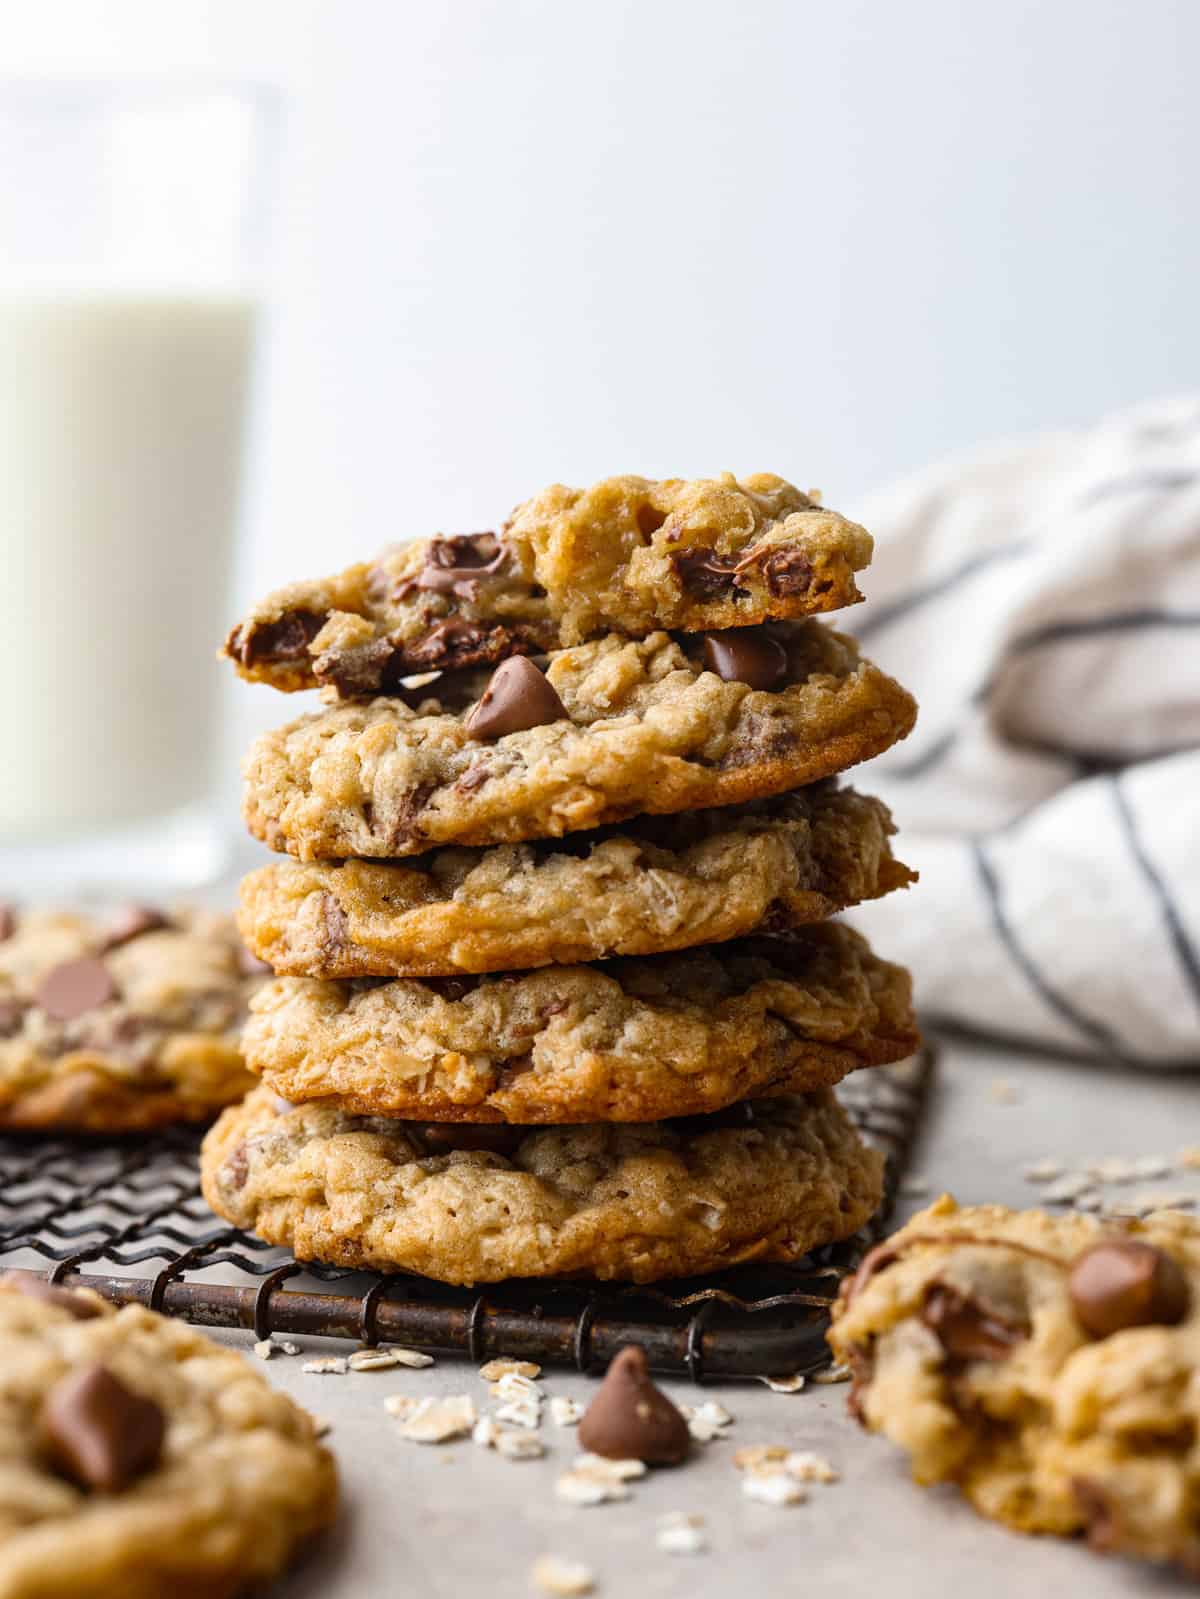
(1189, 959)
(1098, 1036)
(885, 615)
(1162, 481)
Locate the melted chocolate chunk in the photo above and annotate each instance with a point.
(285, 640)
(746, 655)
(704, 574)
(8, 921)
(69, 990)
(787, 572)
(131, 922)
(74, 1303)
(100, 1433)
(518, 697)
(1124, 1282)
(631, 1419)
(862, 1372)
(457, 565)
(236, 1169)
(494, 1138)
(966, 1328)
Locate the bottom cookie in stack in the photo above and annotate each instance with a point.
(767, 1180)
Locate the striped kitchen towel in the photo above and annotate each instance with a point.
(1043, 603)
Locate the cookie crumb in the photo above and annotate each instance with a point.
(326, 1366)
(786, 1385)
(680, 1533)
(565, 1412)
(564, 1578)
(494, 1370)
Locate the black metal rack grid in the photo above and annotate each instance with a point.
(126, 1218)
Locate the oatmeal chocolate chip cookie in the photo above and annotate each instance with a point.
(119, 1025)
(626, 1040)
(648, 727)
(141, 1459)
(1048, 1365)
(634, 1201)
(651, 885)
(628, 555)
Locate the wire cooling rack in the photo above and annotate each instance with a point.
(126, 1218)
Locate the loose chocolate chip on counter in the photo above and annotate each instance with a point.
(746, 655)
(518, 697)
(631, 1419)
(705, 574)
(967, 1329)
(76, 1304)
(8, 921)
(131, 921)
(787, 572)
(495, 1138)
(1124, 1282)
(69, 990)
(100, 1433)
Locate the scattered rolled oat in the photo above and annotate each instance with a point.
(1090, 1199)
(518, 1445)
(1189, 1159)
(612, 1470)
(513, 1385)
(326, 1366)
(495, 1369)
(485, 1432)
(588, 1488)
(564, 1578)
(433, 1421)
(752, 1457)
(1151, 1166)
(679, 1533)
(807, 1467)
(1148, 1199)
(1111, 1169)
(1002, 1092)
(785, 1385)
(384, 1359)
(707, 1421)
(1044, 1170)
(264, 1349)
(773, 1488)
(1067, 1188)
(834, 1372)
(565, 1412)
(521, 1413)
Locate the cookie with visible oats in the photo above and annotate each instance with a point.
(1047, 1365)
(142, 1459)
(651, 726)
(641, 888)
(122, 1024)
(628, 555)
(622, 1040)
(632, 1201)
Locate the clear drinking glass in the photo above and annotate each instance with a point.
(133, 230)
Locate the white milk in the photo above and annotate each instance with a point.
(121, 420)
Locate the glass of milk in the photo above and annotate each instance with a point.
(133, 227)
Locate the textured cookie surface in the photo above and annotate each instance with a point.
(969, 1335)
(236, 1482)
(121, 1025)
(625, 1040)
(649, 885)
(634, 1202)
(646, 729)
(628, 555)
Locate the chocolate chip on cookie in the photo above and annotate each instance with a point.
(1123, 1282)
(746, 655)
(131, 921)
(75, 1304)
(518, 697)
(99, 1432)
(70, 989)
(966, 1328)
(8, 921)
(631, 1419)
(497, 1138)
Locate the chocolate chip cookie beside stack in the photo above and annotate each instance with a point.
(557, 990)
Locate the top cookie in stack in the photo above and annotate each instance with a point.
(489, 937)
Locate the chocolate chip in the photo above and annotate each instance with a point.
(746, 655)
(12, 1013)
(98, 1432)
(451, 988)
(966, 1328)
(631, 1419)
(285, 640)
(495, 1138)
(740, 1114)
(74, 1303)
(249, 964)
(131, 922)
(518, 697)
(8, 921)
(703, 573)
(69, 990)
(236, 1169)
(1123, 1282)
(456, 565)
(787, 572)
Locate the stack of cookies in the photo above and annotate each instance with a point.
(557, 990)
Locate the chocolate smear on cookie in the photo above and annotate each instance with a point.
(285, 640)
(966, 1328)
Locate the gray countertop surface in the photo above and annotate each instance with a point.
(456, 1519)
